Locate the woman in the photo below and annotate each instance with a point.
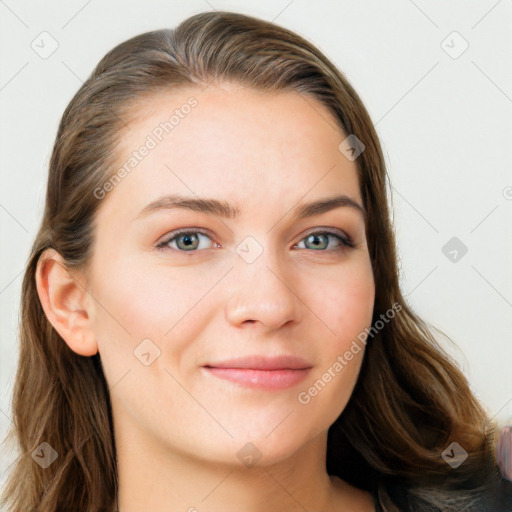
(211, 314)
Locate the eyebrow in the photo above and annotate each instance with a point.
(225, 210)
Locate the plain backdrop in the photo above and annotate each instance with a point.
(437, 82)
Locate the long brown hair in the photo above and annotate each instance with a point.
(410, 401)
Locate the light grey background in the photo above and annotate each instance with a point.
(444, 119)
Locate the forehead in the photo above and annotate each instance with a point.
(246, 146)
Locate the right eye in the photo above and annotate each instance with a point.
(184, 241)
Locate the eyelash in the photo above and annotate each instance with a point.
(346, 241)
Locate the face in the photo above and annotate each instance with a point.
(171, 309)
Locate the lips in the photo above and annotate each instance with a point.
(270, 373)
(257, 362)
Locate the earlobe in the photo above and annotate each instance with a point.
(65, 303)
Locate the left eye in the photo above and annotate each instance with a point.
(189, 241)
(321, 238)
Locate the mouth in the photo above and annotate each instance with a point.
(261, 372)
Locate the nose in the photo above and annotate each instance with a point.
(263, 294)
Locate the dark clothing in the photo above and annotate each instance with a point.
(495, 496)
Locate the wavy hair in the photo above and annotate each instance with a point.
(410, 400)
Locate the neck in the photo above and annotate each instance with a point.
(166, 480)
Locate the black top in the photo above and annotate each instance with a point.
(496, 497)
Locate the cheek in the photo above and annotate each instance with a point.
(344, 303)
(131, 300)
(137, 301)
(136, 296)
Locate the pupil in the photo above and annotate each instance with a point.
(315, 239)
(187, 240)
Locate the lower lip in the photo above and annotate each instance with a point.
(262, 379)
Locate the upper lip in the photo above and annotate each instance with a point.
(258, 362)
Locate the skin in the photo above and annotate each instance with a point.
(178, 430)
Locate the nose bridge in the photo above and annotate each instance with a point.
(261, 288)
